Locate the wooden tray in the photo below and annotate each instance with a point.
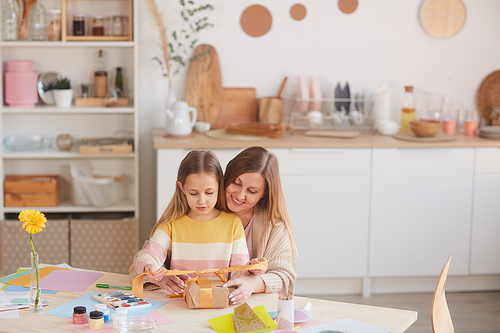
(409, 136)
(334, 134)
(257, 129)
(221, 134)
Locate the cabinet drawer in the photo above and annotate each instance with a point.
(323, 161)
(103, 245)
(52, 244)
(488, 160)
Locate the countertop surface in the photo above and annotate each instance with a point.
(297, 139)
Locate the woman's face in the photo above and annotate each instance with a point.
(245, 192)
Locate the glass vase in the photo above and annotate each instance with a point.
(37, 22)
(35, 291)
(10, 14)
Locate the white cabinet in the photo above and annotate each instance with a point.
(327, 195)
(420, 211)
(485, 247)
(76, 60)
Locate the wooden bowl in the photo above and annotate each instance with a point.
(425, 128)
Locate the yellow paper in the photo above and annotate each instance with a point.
(224, 324)
(24, 281)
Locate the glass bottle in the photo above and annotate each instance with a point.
(407, 109)
(54, 26)
(119, 82)
(100, 77)
(10, 13)
(37, 25)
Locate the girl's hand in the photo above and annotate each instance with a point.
(154, 278)
(247, 284)
(174, 284)
(256, 261)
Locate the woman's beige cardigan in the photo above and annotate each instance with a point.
(270, 242)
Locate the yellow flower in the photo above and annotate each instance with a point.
(33, 220)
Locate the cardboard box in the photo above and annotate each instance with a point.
(219, 295)
(106, 146)
(31, 190)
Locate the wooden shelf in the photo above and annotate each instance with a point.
(69, 207)
(71, 44)
(55, 155)
(98, 38)
(47, 109)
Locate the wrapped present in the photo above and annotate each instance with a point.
(207, 293)
(201, 291)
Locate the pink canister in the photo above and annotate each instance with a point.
(21, 84)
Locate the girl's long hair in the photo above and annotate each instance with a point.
(195, 162)
(260, 160)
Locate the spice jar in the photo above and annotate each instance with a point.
(79, 25)
(98, 26)
(117, 26)
(54, 26)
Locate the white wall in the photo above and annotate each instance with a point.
(381, 41)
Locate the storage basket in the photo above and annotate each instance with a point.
(91, 188)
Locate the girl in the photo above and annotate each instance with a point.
(194, 233)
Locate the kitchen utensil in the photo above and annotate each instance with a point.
(315, 94)
(425, 128)
(256, 129)
(204, 89)
(409, 136)
(271, 108)
(221, 134)
(24, 22)
(338, 94)
(488, 94)
(388, 127)
(347, 95)
(202, 126)
(179, 120)
(239, 106)
(44, 89)
(302, 93)
(315, 118)
(334, 134)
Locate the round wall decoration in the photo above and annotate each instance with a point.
(348, 6)
(442, 18)
(298, 12)
(256, 21)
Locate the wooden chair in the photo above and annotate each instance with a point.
(440, 315)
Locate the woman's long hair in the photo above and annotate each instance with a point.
(195, 162)
(260, 160)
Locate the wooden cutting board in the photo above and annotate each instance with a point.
(239, 106)
(204, 84)
(334, 134)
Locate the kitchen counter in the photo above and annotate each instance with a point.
(299, 140)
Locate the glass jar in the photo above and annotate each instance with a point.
(117, 26)
(54, 26)
(407, 109)
(37, 23)
(98, 26)
(10, 13)
(79, 25)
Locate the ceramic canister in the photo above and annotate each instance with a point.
(21, 84)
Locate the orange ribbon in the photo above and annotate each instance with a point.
(138, 282)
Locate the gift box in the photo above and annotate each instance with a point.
(207, 293)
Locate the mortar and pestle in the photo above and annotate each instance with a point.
(271, 108)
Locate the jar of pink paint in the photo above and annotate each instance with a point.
(21, 84)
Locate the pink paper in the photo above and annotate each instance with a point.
(108, 327)
(160, 318)
(66, 280)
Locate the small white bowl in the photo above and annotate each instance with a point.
(315, 118)
(202, 126)
(388, 127)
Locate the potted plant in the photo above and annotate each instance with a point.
(63, 93)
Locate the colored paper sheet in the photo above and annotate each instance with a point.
(108, 327)
(66, 280)
(160, 318)
(23, 270)
(25, 279)
(9, 314)
(347, 324)
(15, 300)
(66, 310)
(13, 276)
(9, 287)
(224, 324)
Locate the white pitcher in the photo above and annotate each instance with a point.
(179, 121)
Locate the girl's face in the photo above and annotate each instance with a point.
(201, 193)
(245, 192)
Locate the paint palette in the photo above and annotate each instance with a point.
(121, 299)
(300, 315)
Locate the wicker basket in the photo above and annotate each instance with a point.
(425, 128)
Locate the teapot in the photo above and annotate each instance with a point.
(179, 121)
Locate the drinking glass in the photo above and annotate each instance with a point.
(450, 121)
(471, 122)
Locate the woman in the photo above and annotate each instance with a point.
(254, 194)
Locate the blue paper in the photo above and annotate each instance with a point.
(13, 287)
(66, 310)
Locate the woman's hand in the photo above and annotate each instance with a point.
(247, 284)
(174, 284)
(256, 261)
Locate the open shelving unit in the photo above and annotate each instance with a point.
(76, 59)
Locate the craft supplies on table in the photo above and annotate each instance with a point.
(285, 311)
(117, 299)
(101, 285)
